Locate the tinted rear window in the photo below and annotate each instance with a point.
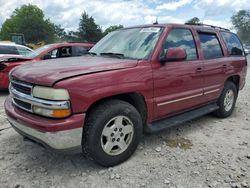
(233, 44)
(210, 45)
(8, 50)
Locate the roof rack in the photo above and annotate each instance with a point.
(206, 25)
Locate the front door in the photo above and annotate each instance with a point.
(178, 85)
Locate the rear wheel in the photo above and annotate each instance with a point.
(227, 100)
(112, 132)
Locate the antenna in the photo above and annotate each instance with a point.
(156, 21)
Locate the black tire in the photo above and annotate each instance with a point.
(222, 112)
(94, 126)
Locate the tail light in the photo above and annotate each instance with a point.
(2, 67)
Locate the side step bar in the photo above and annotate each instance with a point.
(179, 119)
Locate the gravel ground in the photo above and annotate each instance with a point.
(207, 152)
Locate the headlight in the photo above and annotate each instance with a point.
(50, 93)
(55, 97)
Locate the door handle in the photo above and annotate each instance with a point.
(199, 69)
(224, 67)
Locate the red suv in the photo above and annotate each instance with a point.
(50, 51)
(143, 78)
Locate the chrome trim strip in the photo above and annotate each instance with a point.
(181, 99)
(39, 102)
(211, 91)
(22, 84)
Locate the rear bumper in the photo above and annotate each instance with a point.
(63, 135)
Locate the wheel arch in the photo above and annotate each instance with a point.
(236, 80)
(135, 99)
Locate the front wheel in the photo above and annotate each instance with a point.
(112, 132)
(227, 100)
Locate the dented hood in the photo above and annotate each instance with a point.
(50, 71)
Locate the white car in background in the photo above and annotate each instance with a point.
(247, 50)
(10, 48)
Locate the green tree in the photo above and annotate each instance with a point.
(60, 33)
(194, 20)
(29, 20)
(241, 23)
(112, 28)
(88, 30)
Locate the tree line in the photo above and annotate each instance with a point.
(30, 21)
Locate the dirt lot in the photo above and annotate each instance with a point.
(207, 152)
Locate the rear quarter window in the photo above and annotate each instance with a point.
(233, 44)
(8, 50)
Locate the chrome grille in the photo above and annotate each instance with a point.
(22, 87)
(22, 105)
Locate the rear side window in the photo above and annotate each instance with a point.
(233, 44)
(181, 38)
(8, 50)
(80, 50)
(210, 45)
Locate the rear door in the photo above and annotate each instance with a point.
(215, 64)
(178, 85)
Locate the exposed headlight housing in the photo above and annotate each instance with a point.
(50, 93)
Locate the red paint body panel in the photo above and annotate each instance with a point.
(168, 88)
(55, 70)
(108, 83)
(4, 74)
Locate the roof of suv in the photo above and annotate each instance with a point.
(196, 26)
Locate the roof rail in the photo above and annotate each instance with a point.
(206, 25)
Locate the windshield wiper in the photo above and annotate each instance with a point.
(111, 54)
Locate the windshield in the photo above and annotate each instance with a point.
(135, 43)
(38, 51)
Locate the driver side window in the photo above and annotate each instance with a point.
(181, 38)
(54, 53)
(51, 55)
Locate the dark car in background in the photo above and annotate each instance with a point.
(50, 51)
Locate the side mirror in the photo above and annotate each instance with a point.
(47, 56)
(174, 54)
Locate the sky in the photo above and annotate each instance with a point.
(131, 12)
